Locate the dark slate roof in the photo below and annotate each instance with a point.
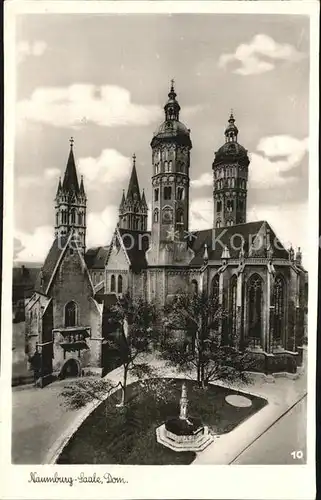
(50, 264)
(70, 182)
(108, 299)
(229, 236)
(136, 246)
(95, 258)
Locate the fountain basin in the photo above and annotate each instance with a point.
(195, 437)
(184, 427)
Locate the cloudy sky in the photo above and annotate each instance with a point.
(104, 79)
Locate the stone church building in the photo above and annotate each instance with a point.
(241, 264)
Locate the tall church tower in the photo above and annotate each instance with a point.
(133, 209)
(171, 146)
(70, 204)
(230, 172)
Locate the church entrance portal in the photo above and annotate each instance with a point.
(70, 369)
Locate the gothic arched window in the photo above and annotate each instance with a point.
(120, 284)
(179, 216)
(71, 312)
(73, 216)
(167, 192)
(57, 219)
(80, 219)
(194, 287)
(156, 191)
(156, 215)
(219, 206)
(166, 166)
(233, 305)
(255, 300)
(112, 283)
(279, 310)
(218, 223)
(180, 193)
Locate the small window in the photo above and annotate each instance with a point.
(71, 311)
(156, 191)
(194, 287)
(170, 165)
(157, 168)
(112, 283)
(73, 216)
(167, 192)
(120, 284)
(219, 206)
(179, 216)
(156, 215)
(180, 193)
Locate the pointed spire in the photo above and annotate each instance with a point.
(144, 199)
(133, 192)
(231, 130)
(205, 256)
(70, 182)
(298, 256)
(122, 203)
(82, 188)
(172, 108)
(225, 253)
(59, 188)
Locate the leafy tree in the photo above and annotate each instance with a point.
(80, 392)
(202, 347)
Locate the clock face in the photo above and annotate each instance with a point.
(167, 216)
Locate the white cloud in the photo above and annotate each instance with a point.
(252, 56)
(201, 214)
(206, 179)
(78, 104)
(110, 167)
(265, 171)
(101, 225)
(289, 222)
(25, 181)
(26, 48)
(35, 245)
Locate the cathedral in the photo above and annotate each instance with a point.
(241, 264)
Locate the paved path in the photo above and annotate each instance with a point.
(39, 420)
(275, 447)
(281, 396)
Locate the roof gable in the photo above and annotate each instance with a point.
(136, 243)
(96, 258)
(255, 236)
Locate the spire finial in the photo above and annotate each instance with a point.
(134, 159)
(71, 140)
(172, 85)
(231, 119)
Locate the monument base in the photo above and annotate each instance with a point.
(193, 442)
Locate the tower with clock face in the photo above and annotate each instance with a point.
(171, 146)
